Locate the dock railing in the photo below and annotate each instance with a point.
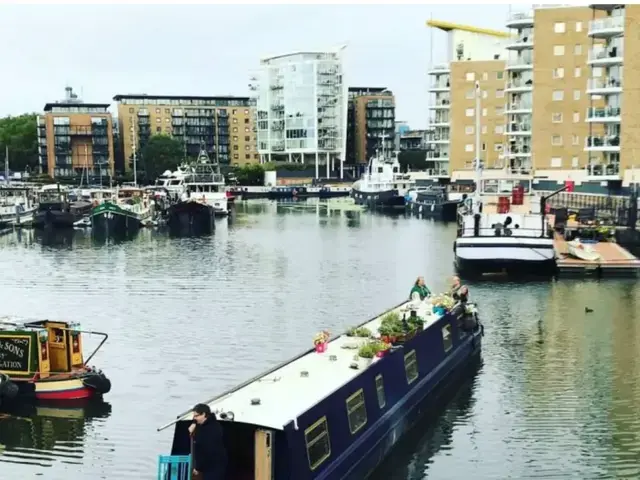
(174, 467)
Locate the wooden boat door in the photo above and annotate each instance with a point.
(263, 466)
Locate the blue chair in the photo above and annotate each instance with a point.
(174, 467)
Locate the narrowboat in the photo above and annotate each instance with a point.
(43, 360)
(56, 211)
(330, 414)
(435, 202)
(289, 192)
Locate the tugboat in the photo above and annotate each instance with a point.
(43, 360)
(327, 414)
(382, 185)
(55, 210)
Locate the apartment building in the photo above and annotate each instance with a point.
(224, 125)
(301, 102)
(370, 123)
(75, 138)
(474, 55)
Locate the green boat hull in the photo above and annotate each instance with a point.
(112, 220)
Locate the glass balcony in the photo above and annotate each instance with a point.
(603, 114)
(606, 27)
(604, 86)
(603, 143)
(599, 56)
(520, 19)
(522, 42)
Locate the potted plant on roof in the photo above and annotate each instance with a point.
(391, 327)
(442, 304)
(366, 352)
(320, 341)
(360, 332)
(381, 348)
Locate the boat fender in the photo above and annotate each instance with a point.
(97, 381)
(8, 389)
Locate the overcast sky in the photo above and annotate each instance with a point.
(102, 50)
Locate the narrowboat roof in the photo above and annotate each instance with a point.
(285, 392)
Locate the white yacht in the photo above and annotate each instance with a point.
(173, 182)
(502, 226)
(204, 182)
(382, 185)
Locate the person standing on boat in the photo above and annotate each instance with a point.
(419, 291)
(458, 291)
(209, 455)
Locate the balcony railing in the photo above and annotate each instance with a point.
(518, 106)
(599, 53)
(518, 128)
(436, 120)
(440, 85)
(609, 23)
(520, 17)
(521, 60)
(523, 39)
(520, 83)
(602, 83)
(431, 155)
(603, 141)
(607, 170)
(603, 112)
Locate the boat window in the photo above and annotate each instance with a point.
(411, 366)
(356, 411)
(382, 401)
(446, 338)
(318, 445)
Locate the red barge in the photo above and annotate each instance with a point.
(43, 360)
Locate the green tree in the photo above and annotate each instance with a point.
(20, 134)
(250, 174)
(160, 153)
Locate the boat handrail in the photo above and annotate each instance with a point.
(275, 368)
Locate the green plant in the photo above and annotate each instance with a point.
(416, 323)
(391, 325)
(367, 351)
(444, 301)
(359, 332)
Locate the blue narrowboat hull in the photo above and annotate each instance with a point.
(386, 200)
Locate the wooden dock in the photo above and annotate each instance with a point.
(615, 261)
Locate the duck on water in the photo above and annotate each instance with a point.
(334, 411)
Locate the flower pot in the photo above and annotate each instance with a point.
(321, 347)
(439, 310)
(366, 361)
(382, 353)
(385, 338)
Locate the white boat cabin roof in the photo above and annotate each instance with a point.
(286, 393)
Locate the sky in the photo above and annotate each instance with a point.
(104, 50)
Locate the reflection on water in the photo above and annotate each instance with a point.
(558, 395)
(40, 435)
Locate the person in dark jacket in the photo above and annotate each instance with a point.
(209, 454)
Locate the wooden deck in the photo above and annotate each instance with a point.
(615, 261)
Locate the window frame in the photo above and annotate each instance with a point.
(411, 361)
(308, 430)
(352, 409)
(447, 340)
(379, 381)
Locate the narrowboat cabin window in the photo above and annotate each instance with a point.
(318, 445)
(356, 411)
(446, 338)
(411, 366)
(382, 401)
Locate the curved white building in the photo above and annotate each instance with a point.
(301, 105)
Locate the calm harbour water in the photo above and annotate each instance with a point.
(557, 396)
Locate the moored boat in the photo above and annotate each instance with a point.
(16, 206)
(56, 211)
(191, 217)
(43, 360)
(124, 216)
(327, 414)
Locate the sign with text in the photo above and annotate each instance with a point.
(15, 353)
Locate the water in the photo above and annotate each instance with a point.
(557, 395)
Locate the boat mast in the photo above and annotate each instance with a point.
(135, 158)
(6, 164)
(478, 167)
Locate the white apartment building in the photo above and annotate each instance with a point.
(301, 108)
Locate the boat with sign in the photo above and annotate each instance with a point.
(337, 410)
(130, 210)
(43, 360)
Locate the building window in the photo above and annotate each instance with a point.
(500, 111)
(483, 147)
(234, 111)
(236, 156)
(235, 129)
(556, 162)
(382, 400)
(497, 147)
(235, 147)
(470, 94)
(247, 147)
(484, 94)
(577, 49)
(167, 111)
(246, 112)
(576, 94)
(499, 93)
(318, 445)
(158, 120)
(246, 120)
(447, 340)
(499, 130)
(469, 112)
(411, 366)
(470, 76)
(484, 112)
(575, 161)
(235, 139)
(556, 141)
(235, 120)
(247, 156)
(484, 129)
(469, 130)
(485, 76)
(246, 129)
(158, 129)
(356, 411)
(247, 139)
(499, 75)
(157, 110)
(578, 26)
(167, 120)
(559, 27)
(131, 110)
(575, 140)
(577, 72)
(558, 72)
(556, 117)
(558, 95)
(468, 147)
(576, 117)
(558, 50)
